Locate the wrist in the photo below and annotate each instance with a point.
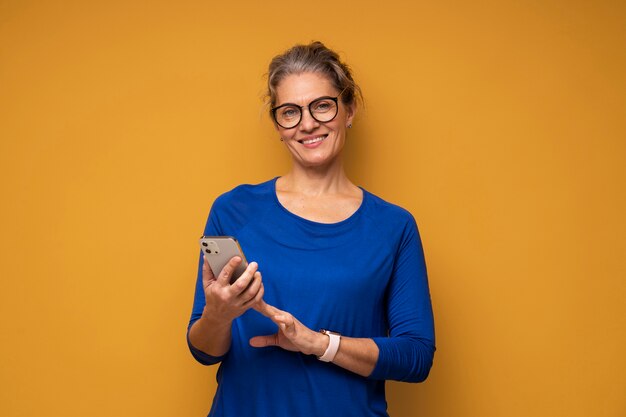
(323, 341)
(215, 322)
(334, 339)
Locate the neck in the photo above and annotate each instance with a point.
(330, 179)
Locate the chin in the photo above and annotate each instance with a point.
(316, 162)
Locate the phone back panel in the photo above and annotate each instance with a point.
(218, 250)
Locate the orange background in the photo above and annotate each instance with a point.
(500, 125)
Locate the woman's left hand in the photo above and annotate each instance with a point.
(292, 335)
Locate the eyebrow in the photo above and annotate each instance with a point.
(297, 105)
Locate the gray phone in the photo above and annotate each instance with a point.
(218, 250)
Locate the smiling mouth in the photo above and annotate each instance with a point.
(314, 140)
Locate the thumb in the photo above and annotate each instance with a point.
(264, 341)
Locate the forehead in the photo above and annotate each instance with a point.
(302, 88)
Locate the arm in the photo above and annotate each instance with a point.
(216, 302)
(209, 336)
(407, 353)
(358, 355)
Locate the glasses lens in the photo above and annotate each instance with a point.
(324, 109)
(287, 116)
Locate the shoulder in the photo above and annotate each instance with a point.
(245, 193)
(236, 208)
(392, 221)
(383, 210)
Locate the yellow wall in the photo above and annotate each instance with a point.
(499, 124)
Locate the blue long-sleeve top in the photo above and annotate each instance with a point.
(362, 277)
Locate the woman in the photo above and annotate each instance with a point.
(333, 256)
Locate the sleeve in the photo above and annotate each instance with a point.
(212, 228)
(407, 353)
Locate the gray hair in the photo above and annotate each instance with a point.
(316, 58)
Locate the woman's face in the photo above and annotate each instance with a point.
(313, 143)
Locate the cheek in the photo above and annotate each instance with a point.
(339, 125)
(285, 134)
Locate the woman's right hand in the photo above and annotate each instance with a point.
(226, 301)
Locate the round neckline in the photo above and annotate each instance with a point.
(347, 220)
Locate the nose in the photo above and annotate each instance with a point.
(308, 123)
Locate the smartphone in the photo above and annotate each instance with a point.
(218, 250)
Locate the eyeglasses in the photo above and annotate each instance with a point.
(323, 109)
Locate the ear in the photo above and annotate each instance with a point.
(277, 128)
(350, 114)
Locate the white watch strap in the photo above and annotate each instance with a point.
(333, 347)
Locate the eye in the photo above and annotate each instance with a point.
(288, 112)
(323, 106)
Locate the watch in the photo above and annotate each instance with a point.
(333, 346)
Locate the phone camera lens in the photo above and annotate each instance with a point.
(207, 250)
(205, 244)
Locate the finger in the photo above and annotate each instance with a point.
(261, 306)
(250, 292)
(242, 283)
(284, 321)
(258, 296)
(267, 310)
(207, 273)
(263, 341)
(287, 324)
(229, 269)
